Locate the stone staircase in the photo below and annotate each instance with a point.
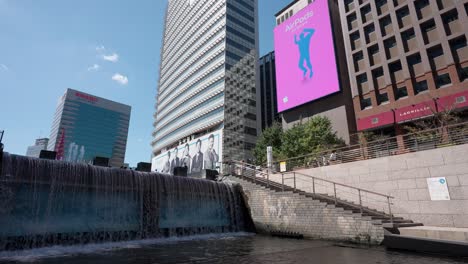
(344, 208)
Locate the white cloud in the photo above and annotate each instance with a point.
(100, 48)
(122, 79)
(3, 67)
(112, 58)
(95, 67)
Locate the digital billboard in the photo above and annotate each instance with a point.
(306, 68)
(198, 154)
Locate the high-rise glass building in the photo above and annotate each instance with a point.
(268, 103)
(207, 77)
(87, 126)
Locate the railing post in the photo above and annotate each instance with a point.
(334, 189)
(268, 179)
(282, 181)
(390, 209)
(360, 200)
(294, 173)
(313, 185)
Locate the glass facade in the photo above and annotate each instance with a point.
(86, 127)
(207, 75)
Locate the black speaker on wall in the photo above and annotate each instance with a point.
(144, 166)
(47, 154)
(101, 161)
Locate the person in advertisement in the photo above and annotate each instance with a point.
(167, 165)
(175, 160)
(210, 157)
(186, 159)
(197, 160)
(304, 43)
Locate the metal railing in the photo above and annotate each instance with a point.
(340, 194)
(423, 140)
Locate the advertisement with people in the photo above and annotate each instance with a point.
(306, 68)
(197, 155)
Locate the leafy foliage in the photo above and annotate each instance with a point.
(311, 137)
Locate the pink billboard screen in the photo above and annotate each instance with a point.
(305, 57)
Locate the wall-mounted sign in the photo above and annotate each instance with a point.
(283, 166)
(438, 189)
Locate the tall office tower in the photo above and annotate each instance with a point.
(86, 126)
(207, 82)
(35, 151)
(268, 104)
(406, 59)
(311, 70)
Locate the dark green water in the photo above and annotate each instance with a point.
(227, 249)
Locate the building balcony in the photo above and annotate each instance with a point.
(418, 69)
(375, 59)
(411, 44)
(392, 52)
(453, 27)
(431, 36)
(360, 65)
(405, 21)
(383, 8)
(380, 82)
(371, 37)
(388, 29)
(400, 2)
(443, 4)
(462, 54)
(425, 12)
(439, 62)
(399, 76)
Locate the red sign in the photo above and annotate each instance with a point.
(453, 101)
(415, 111)
(86, 97)
(374, 121)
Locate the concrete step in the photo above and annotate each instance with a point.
(432, 232)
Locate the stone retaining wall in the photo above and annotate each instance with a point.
(292, 213)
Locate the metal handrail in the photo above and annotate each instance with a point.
(412, 142)
(315, 182)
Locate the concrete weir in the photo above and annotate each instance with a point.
(45, 203)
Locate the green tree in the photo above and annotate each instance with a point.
(271, 136)
(319, 135)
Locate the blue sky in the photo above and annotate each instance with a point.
(106, 48)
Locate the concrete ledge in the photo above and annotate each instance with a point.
(432, 232)
(426, 245)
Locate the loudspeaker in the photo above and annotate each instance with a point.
(101, 161)
(180, 171)
(144, 166)
(211, 174)
(47, 154)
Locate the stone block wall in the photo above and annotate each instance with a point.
(404, 177)
(290, 212)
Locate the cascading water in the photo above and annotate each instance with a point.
(45, 203)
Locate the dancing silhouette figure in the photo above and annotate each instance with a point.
(304, 43)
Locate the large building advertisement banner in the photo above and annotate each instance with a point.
(306, 68)
(199, 154)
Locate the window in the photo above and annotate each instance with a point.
(402, 14)
(420, 87)
(443, 80)
(463, 72)
(414, 59)
(365, 11)
(407, 35)
(366, 103)
(395, 66)
(450, 16)
(383, 98)
(401, 92)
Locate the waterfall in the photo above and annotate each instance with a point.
(45, 203)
